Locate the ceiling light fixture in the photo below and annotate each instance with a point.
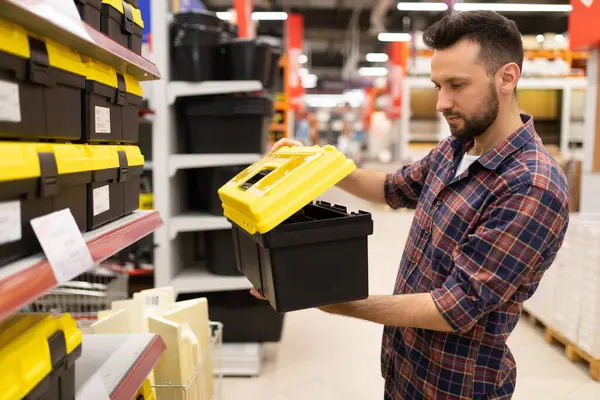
(539, 38)
(376, 57)
(257, 15)
(411, 6)
(513, 7)
(302, 59)
(393, 37)
(372, 71)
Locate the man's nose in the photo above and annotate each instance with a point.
(444, 102)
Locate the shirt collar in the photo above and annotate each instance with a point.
(493, 158)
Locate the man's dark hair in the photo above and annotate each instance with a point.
(499, 37)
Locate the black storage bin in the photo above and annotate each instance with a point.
(322, 247)
(245, 318)
(220, 253)
(194, 45)
(208, 181)
(274, 70)
(245, 60)
(123, 23)
(89, 10)
(145, 139)
(224, 124)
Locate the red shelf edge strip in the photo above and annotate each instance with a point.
(22, 289)
(132, 382)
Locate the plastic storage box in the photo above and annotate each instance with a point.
(225, 124)
(245, 60)
(248, 319)
(194, 45)
(221, 258)
(89, 10)
(208, 181)
(37, 357)
(123, 23)
(41, 82)
(284, 246)
(111, 105)
(39, 178)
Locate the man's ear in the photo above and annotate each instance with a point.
(509, 77)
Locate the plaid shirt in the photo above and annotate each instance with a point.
(479, 243)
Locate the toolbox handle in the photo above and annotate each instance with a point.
(38, 65)
(48, 174)
(127, 24)
(121, 91)
(123, 167)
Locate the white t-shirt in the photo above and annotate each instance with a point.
(465, 163)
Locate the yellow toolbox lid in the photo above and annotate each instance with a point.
(13, 39)
(134, 155)
(99, 72)
(274, 188)
(133, 86)
(20, 160)
(25, 358)
(65, 58)
(118, 5)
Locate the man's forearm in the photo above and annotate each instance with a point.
(365, 184)
(405, 311)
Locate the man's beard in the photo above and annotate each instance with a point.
(478, 124)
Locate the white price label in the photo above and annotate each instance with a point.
(10, 221)
(101, 199)
(63, 244)
(94, 389)
(10, 103)
(102, 119)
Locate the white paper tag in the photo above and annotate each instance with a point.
(101, 199)
(10, 103)
(102, 119)
(63, 244)
(94, 389)
(10, 221)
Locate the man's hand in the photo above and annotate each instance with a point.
(254, 292)
(285, 142)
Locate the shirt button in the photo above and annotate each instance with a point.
(439, 203)
(428, 232)
(414, 261)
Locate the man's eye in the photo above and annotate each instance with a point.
(456, 85)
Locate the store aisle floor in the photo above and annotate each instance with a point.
(325, 357)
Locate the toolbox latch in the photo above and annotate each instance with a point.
(121, 90)
(127, 25)
(38, 65)
(49, 175)
(123, 167)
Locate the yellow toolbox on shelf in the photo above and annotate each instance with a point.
(41, 82)
(111, 104)
(285, 242)
(37, 357)
(97, 183)
(123, 23)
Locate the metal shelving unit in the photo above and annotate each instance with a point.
(168, 191)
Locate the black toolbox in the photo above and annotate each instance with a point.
(111, 105)
(208, 181)
(194, 45)
(245, 319)
(323, 248)
(224, 124)
(38, 353)
(123, 23)
(41, 82)
(298, 255)
(89, 10)
(245, 60)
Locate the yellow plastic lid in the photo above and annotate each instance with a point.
(18, 161)
(274, 188)
(133, 86)
(13, 39)
(118, 5)
(25, 353)
(65, 58)
(73, 158)
(100, 72)
(133, 153)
